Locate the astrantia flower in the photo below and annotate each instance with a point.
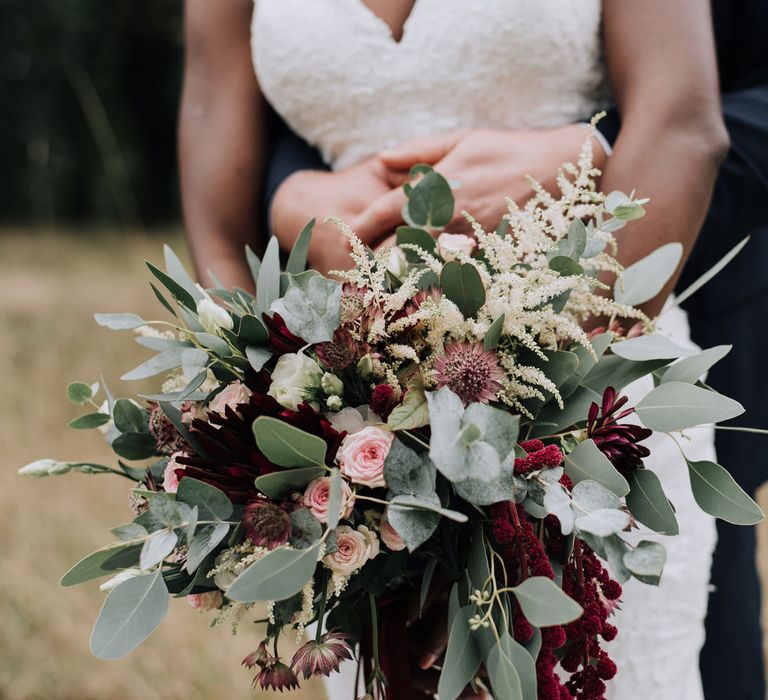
(275, 675)
(469, 371)
(322, 657)
(266, 524)
(339, 352)
(260, 656)
(166, 436)
(617, 442)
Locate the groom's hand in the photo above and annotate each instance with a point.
(485, 166)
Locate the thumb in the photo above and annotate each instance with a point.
(381, 217)
(422, 149)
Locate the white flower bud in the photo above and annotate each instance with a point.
(332, 385)
(397, 264)
(365, 366)
(45, 467)
(212, 317)
(448, 244)
(334, 403)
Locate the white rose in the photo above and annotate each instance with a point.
(212, 316)
(292, 376)
(397, 264)
(448, 244)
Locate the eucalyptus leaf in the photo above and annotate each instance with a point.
(297, 260)
(643, 280)
(177, 291)
(462, 658)
(716, 493)
(462, 284)
(268, 281)
(493, 334)
(691, 369)
(120, 322)
(430, 503)
(650, 347)
(193, 361)
(335, 496)
(134, 446)
(278, 484)
(646, 561)
(212, 503)
(305, 529)
(412, 412)
(505, 680)
(213, 342)
(79, 392)
(586, 461)
(252, 330)
(104, 561)
(287, 446)
(565, 266)
(257, 357)
(165, 361)
(709, 274)
(603, 522)
(175, 269)
(205, 541)
(544, 603)
(278, 575)
(157, 547)
(128, 416)
(408, 472)
(129, 615)
(129, 531)
(648, 503)
(90, 420)
(311, 308)
(254, 263)
(430, 201)
(412, 235)
(415, 526)
(674, 406)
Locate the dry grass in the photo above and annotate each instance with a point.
(49, 287)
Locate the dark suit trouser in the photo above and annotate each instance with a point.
(732, 657)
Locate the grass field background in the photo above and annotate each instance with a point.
(50, 286)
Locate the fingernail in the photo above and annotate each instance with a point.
(427, 661)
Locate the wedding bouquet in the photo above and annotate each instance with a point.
(434, 413)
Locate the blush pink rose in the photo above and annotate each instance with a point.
(389, 535)
(170, 478)
(448, 244)
(362, 455)
(354, 548)
(210, 600)
(236, 393)
(316, 498)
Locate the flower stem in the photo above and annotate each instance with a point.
(321, 611)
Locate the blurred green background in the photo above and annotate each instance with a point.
(88, 190)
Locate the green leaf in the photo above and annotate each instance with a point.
(164, 510)
(412, 412)
(430, 503)
(505, 681)
(252, 331)
(306, 529)
(129, 615)
(104, 561)
(575, 243)
(79, 393)
(567, 267)
(129, 531)
(213, 342)
(719, 495)
(128, 416)
(650, 347)
(134, 446)
(587, 462)
(714, 270)
(268, 282)
(552, 419)
(193, 362)
(212, 503)
(426, 583)
(408, 472)
(278, 484)
(691, 369)
(648, 503)
(430, 201)
(177, 271)
(157, 547)
(614, 549)
(646, 561)
(280, 574)
(119, 322)
(335, 495)
(493, 335)
(462, 658)
(418, 237)
(461, 283)
(258, 357)
(89, 420)
(643, 280)
(163, 362)
(415, 526)
(297, 260)
(544, 603)
(177, 291)
(617, 372)
(254, 264)
(287, 446)
(206, 539)
(311, 307)
(159, 296)
(674, 406)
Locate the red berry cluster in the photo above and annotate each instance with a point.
(524, 555)
(539, 456)
(587, 582)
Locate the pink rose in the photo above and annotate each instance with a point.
(170, 478)
(210, 600)
(236, 393)
(316, 498)
(448, 244)
(354, 548)
(362, 455)
(389, 535)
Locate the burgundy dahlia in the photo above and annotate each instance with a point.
(281, 340)
(266, 524)
(322, 657)
(470, 371)
(383, 400)
(619, 443)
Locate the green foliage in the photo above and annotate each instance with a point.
(430, 200)
(306, 529)
(79, 393)
(408, 472)
(462, 657)
(212, 503)
(287, 446)
(647, 502)
(462, 284)
(278, 484)
(104, 561)
(646, 561)
(719, 495)
(297, 260)
(493, 335)
(650, 347)
(89, 420)
(335, 494)
(134, 446)
(544, 603)
(690, 369)
(674, 406)
(643, 280)
(311, 306)
(587, 462)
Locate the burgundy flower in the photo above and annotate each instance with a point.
(260, 656)
(383, 400)
(266, 524)
(275, 675)
(166, 436)
(281, 340)
(470, 371)
(540, 456)
(340, 352)
(322, 657)
(617, 442)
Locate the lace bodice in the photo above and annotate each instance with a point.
(333, 71)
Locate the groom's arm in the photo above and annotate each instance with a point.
(220, 139)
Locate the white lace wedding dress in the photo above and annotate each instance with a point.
(333, 71)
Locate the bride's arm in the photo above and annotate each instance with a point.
(220, 139)
(662, 66)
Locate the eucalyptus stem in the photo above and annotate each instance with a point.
(323, 599)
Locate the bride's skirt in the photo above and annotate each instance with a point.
(661, 629)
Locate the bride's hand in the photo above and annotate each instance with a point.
(308, 194)
(486, 165)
